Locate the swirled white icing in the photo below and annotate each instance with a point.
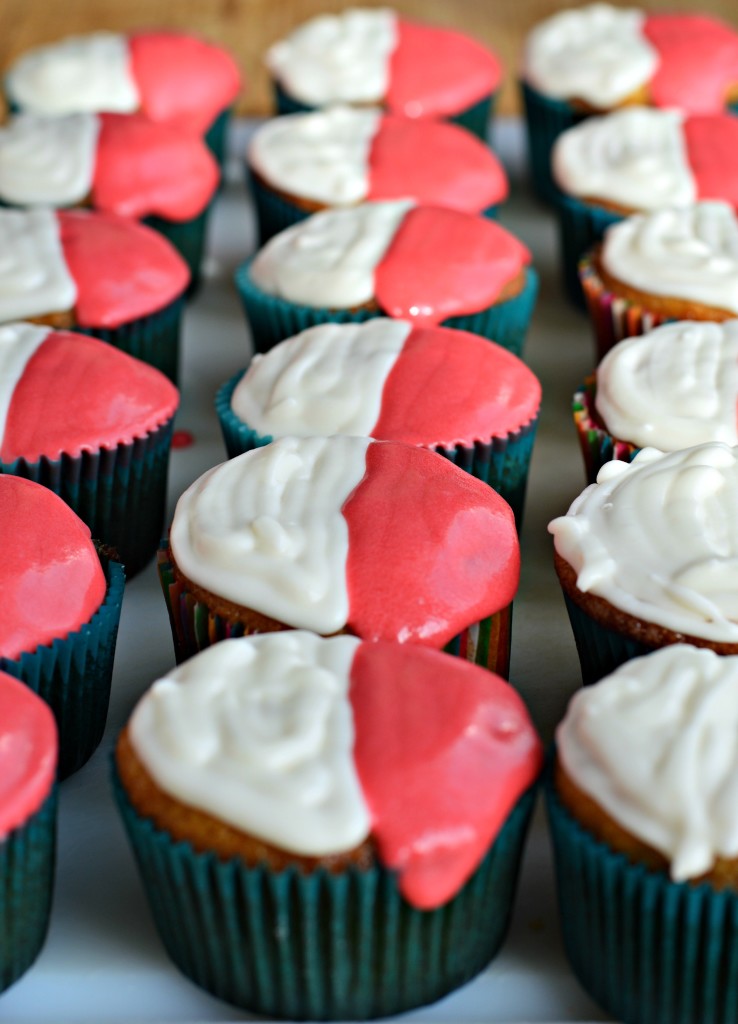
(597, 53)
(689, 252)
(655, 744)
(674, 387)
(329, 259)
(658, 539)
(321, 156)
(48, 161)
(18, 342)
(259, 732)
(34, 278)
(80, 73)
(265, 530)
(337, 58)
(326, 380)
(635, 157)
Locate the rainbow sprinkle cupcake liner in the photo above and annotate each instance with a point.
(188, 237)
(321, 946)
(73, 676)
(581, 226)
(154, 339)
(545, 120)
(27, 858)
(598, 446)
(600, 650)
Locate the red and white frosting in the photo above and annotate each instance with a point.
(420, 263)
(388, 380)
(343, 155)
(168, 76)
(314, 744)
(51, 580)
(377, 56)
(109, 270)
(387, 540)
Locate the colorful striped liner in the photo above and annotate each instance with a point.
(581, 226)
(598, 446)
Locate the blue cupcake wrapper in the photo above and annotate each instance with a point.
(320, 946)
(216, 137)
(188, 237)
(73, 675)
(545, 120)
(581, 226)
(600, 650)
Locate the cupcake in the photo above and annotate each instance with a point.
(28, 755)
(376, 56)
(451, 391)
(94, 425)
(343, 534)
(341, 156)
(597, 58)
(60, 605)
(274, 774)
(426, 264)
(98, 274)
(641, 801)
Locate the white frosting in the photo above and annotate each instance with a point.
(34, 278)
(48, 161)
(259, 732)
(686, 253)
(18, 342)
(598, 54)
(327, 380)
(81, 73)
(655, 744)
(675, 387)
(635, 157)
(322, 156)
(658, 539)
(265, 530)
(337, 58)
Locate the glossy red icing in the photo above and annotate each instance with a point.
(434, 162)
(698, 61)
(443, 750)
(431, 548)
(712, 153)
(51, 580)
(443, 263)
(123, 270)
(450, 387)
(436, 72)
(28, 753)
(145, 168)
(181, 79)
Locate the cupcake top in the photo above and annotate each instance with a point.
(388, 380)
(107, 270)
(168, 76)
(314, 744)
(377, 56)
(655, 745)
(603, 55)
(386, 540)
(341, 156)
(69, 393)
(658, 539)
(51, 580)
(421, 263)
(28, 753)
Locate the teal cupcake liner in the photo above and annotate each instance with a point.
(27, 858)
(320, 946)
(581, 226)
(600, 650)
(216, 137)
(646, 949)
(597, 444)
(73, 676)
(545, 119)
(188, 237)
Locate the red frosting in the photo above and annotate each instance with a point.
(145, 168)
(698, 61)
(712, 152)
(443, 263)
(51, 580)
(122, 270)
(434, 162)
(443, 750)
(450, 387)
(79, 394)
(431, 548)
(28, 753)
(182, 79)
(436, 72)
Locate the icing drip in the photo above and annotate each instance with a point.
(712, 148)
(698, 61)
(34, 279)
(28, 752)
(47, 161)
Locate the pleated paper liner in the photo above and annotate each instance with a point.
(73, 675)
(216, 137)
(598, 446)
(188, 237)
(600, 649)
(321, 946)
(27, 858)
(545, 119)
(581, 226)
